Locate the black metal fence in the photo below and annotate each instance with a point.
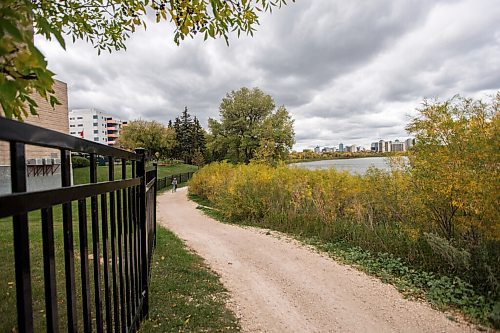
(111, 292)
(166, 182)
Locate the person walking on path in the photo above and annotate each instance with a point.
(174, 184)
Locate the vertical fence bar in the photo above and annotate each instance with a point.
(84, 263)
(49, 270)
(133, 290)
(105, 257)
(69, 255)
(114, 271)
(96, 247)
(123, 315)
(126, 253)
(21, 241)
(135, 227)
(154, 201)
(141, 171)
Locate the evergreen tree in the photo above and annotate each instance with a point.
(190, 137)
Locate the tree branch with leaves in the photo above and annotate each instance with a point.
(106, 24)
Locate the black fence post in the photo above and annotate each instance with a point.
(21, 241)
(141, 172)
(69, 255)
(156, 192)
(96, 246)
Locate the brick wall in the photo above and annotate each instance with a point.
(52, 118)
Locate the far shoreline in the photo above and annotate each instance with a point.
(346, 157)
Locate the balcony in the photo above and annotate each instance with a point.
(111, 128)
(112, 135)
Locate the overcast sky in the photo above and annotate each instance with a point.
(347, 71)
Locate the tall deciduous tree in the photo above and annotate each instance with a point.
(455, 165)
(106, 25)
(151, 135)
(251, 128)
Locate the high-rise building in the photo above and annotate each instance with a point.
(341, 147)
(397, 146)
(409, 143)
(114, 127)
(95, 125)
(387, 146)
(381, 146)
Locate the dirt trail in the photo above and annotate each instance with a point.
(278, 285)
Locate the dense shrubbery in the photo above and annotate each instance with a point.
(379, 212)
(439, 214)
(79, 162)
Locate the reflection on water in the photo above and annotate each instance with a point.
(352, 165)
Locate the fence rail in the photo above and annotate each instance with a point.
(166, 182)
(111, 293)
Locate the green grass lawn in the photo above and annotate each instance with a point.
(82, 175)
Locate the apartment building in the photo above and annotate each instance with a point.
(95, 125)
(43, 164)
(383, 146)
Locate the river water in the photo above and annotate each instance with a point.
(352, 165)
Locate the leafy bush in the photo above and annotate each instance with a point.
(379, 212)
(79, 162)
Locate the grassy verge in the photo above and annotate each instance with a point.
(81, 175)
(185, 295)
(175, 169)
(442, 292)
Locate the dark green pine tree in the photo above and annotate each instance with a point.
(190, 137)
(199, 141)
(185, 136)
(177, 147)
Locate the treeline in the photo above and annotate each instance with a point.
(251, 128)
(440, 214)
(309, 155)
(183, 139)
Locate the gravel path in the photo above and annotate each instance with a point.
(279, 285)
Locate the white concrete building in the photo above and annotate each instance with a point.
(397, 146)
(95, 125)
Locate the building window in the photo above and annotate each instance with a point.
(73, 118)
(72, 132)
(79, 117)
(80, 125)
(71, 125)
(96, 139)
(94, 116)
(95, 124)
(96, 131)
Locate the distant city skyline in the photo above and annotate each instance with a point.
(368, 147)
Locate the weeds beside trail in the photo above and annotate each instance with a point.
(374, 221)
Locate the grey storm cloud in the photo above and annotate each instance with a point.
(347, 71)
